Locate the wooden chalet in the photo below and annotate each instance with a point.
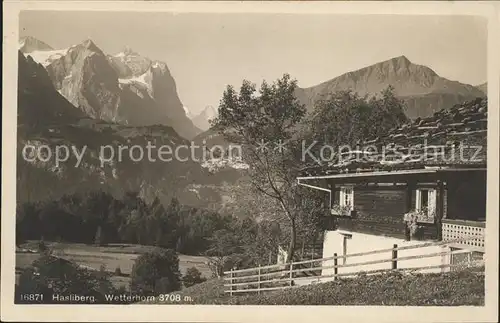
(425, 180)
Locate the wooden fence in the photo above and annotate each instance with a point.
(280, 276)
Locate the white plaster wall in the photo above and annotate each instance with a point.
(360, 242)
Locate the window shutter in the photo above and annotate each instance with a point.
(418, 199)
(445, 203)
(432, 201)
(336, 197)
(352, 198)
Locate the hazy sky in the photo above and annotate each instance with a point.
(205, 52)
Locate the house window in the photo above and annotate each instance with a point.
(426, 201)
(347, 197)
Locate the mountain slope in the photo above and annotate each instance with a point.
(483, 87)
(46, 119)
(423, 90)
(126, 88)
(35, 86)
(202, 120)
(30, 44)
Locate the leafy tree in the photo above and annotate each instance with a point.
(98, 237)
(51, 217)
(155, 272)
(133, 213)
(196, 227)
(345, 118)
(96, 210)
(126, 220)
(159, 214)
(192, 277)
(169, 223)
(50, 275)
(225, 247)
(27, 222)
(260, 123)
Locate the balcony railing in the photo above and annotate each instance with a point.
(473, 231)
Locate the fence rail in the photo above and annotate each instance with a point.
(280, 276)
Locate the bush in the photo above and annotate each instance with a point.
(155, 273)
(42, 247)
(192, 277)
(50, 275)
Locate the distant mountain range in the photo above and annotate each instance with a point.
(80, 96)
(125, 88)
(47, 118)
(202, 120)
(423, 90)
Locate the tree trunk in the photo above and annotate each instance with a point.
(291, 246)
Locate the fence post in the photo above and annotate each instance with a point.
(335, 268)
(395, 257)
(231, 282)
(258, 285)
(447, 260)
(291, 273)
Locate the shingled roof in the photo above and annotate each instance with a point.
(453, 137)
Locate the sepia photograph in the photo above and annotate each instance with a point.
(265, 158)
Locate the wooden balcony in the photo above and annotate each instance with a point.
(473, 231)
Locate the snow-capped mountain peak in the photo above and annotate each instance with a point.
(186, 110)
(125, 88)
(29, 44)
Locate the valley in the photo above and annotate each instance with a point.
(112, 256)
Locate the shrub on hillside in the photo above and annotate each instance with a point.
(121, 290)
(192, 277)
(155, 273)
(50, 276)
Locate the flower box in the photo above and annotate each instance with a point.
(338, 210)
(421, 216)
(414, 220)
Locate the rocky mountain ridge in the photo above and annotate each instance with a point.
(47, 121)
(30, 44)
(126, 88)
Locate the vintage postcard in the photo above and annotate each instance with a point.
(328, 159)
